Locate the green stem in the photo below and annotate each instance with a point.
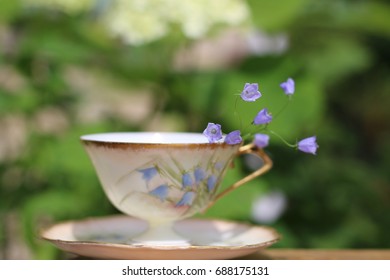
(246, 136)
(236, 113)
(255, 129)
(281, 138)
(283, 108)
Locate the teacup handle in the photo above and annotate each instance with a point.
(247, 149)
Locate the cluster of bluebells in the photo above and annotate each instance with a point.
(251, 93)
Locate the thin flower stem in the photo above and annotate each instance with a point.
(283, 108)
(250, 131)
(255, 129)
(236, 113)
(246, 136)
(281, 138)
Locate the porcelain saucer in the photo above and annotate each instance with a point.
(111, 238)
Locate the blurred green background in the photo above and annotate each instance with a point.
(69, 68)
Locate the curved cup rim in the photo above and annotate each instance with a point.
(107, 139)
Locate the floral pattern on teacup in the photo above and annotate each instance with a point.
(169, 182)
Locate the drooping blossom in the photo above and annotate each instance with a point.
(160, 192)
(233, 138)
(211, 182)
(186, 199)
(262, 117)
(308, 145)
(250, 92)
(213, 132)
(148, 173)
(261, 140)
(199, 175)
(186, 180)
(288, 86)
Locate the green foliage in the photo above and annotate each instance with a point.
(8, 10)
(275, 15)
(240, 201)
(338, 54)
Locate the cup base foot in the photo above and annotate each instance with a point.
(160, 235)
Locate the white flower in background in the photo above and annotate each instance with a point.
(269, 207)
(138, 22)
(196, 17)
(68, 6)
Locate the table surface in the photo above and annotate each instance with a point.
(320, 254)
(310, 254)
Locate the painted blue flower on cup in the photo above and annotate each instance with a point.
(182, 188)
(148, 173)
(160, 192)
(187, 199)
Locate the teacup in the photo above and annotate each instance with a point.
(163, 177)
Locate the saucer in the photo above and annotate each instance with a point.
(111, 238)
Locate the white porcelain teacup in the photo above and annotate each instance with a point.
(163, 177)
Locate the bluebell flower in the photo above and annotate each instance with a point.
(186, 199)
(148, 173)
(213, 132)
(250, 92)
(160, 192)
(262, 117)
(186, 180)
(211, 182)
(308, 145)
(199, 175)
(261, 140)
(260, 123)
(233, 138)
(288, 86)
